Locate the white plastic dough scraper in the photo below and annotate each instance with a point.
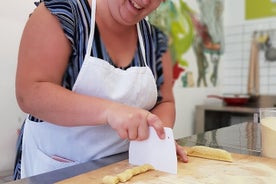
(160, 153)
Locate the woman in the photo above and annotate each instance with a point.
(91, 79)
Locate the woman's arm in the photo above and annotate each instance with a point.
(43, 57)
(165, 109)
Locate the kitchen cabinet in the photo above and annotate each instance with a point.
(210, 117)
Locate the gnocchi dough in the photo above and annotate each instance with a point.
(210, 153)
(110, 179)
(127, 174)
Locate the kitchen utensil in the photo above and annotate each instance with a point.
(270, 50)
(160, 153)
(270, 54)
(268, 127)
(253, 86)
(235, 99)
(244, 169)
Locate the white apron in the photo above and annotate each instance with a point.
(47, 147)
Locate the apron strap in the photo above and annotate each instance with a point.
(141, 43)
(92, 27)
(91, 36)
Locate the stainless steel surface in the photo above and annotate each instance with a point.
(243, 138)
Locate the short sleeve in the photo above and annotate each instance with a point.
(162, 43)
(64, 11)
(161, 47)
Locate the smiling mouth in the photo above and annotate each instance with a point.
(135, 5)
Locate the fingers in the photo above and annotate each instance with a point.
(133, 123)
(156, 123)
(123, 133)
(182, 154)
(136, 130)
(129, 132)
(140, 130)
(143, 132)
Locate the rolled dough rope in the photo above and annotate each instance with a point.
(210, 153)
(110, 179)
(127, 174)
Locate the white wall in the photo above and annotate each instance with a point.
(234, 12)
(13, 15)
(186, 100)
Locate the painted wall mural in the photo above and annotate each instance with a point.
(200, 31)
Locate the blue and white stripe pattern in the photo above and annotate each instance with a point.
(74, 16)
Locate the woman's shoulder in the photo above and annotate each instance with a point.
(72, 5)
(73, 15)
(69, 11)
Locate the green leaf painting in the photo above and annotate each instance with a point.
(202, 31)
(176, 22)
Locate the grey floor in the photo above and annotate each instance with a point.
(5, 176)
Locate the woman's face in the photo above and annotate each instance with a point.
(130, 12)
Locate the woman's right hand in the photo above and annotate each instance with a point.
(133, 123)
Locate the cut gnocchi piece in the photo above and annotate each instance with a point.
(127, 174)
(110, 179)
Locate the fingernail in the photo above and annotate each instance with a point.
(163, 135)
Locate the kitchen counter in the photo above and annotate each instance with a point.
(243, 138)
(210, 117)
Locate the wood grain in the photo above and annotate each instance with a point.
(244, 169)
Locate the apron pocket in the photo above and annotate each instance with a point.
(47, 163)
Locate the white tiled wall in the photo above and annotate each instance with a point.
(237, 55)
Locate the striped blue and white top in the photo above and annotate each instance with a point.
(75, 15)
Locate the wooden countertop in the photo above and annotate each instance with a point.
(243, 169)
(242, 138)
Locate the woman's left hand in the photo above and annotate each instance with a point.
(181, 153)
